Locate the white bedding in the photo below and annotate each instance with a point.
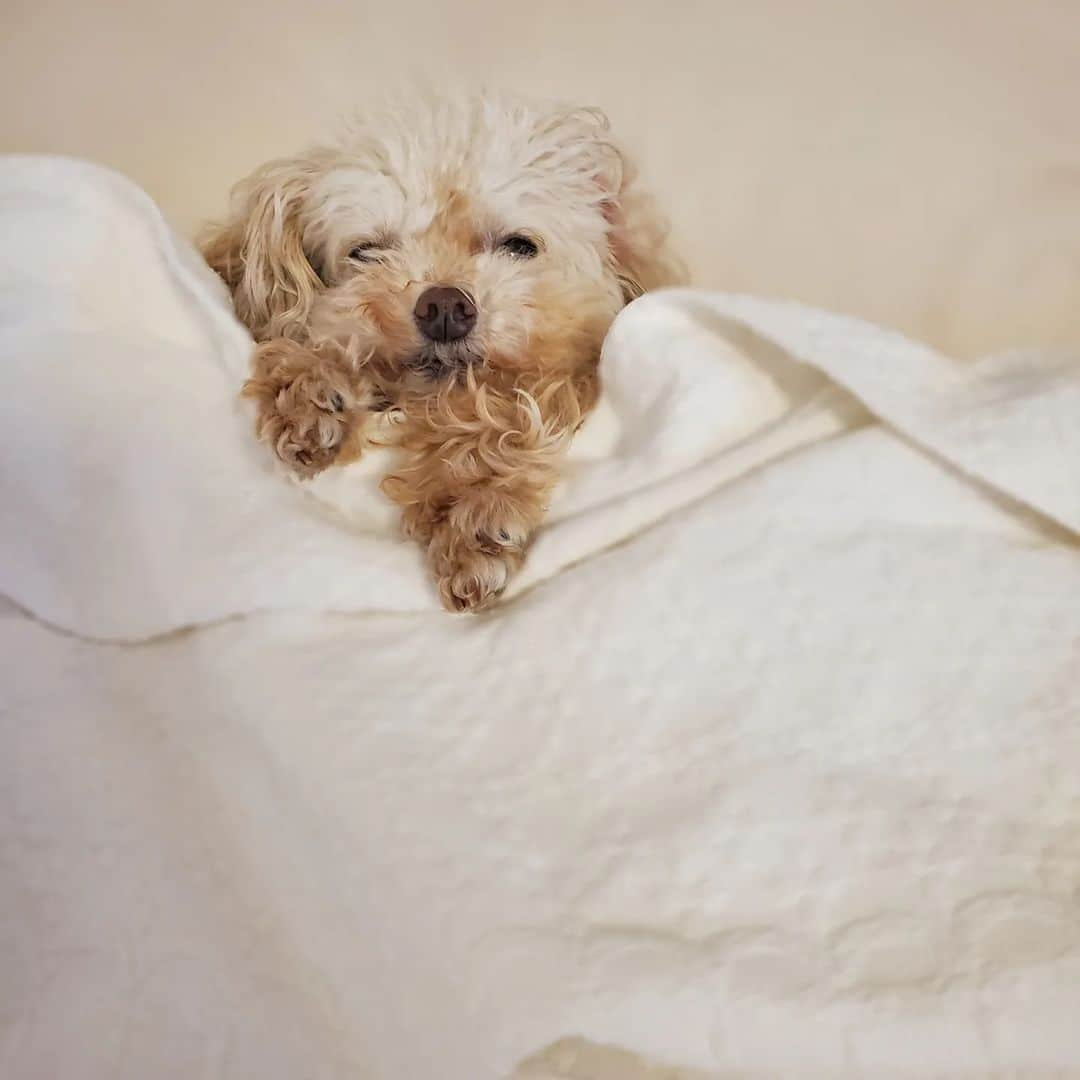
(769, 763)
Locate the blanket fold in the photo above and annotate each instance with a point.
(769, 766)
(138, 503)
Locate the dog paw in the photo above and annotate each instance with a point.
(306, 412)
(471, 570)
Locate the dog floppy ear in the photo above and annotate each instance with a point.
(639, 252)
(259, 250)
(578, 144)
(638, 235)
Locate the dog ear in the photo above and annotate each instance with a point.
(259, 250)
(579, 144)
(638, 235)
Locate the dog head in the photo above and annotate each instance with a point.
(485, 234)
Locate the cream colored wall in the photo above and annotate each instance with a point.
(913, 161)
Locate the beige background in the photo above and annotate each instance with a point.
(917, 162)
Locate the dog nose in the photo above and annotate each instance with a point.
(444, 313)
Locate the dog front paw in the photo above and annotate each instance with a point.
(307, 407)
(471, 570)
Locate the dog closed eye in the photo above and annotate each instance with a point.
(369, 251)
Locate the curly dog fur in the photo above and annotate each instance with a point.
(533, 214)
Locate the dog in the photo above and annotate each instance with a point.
(456, 264)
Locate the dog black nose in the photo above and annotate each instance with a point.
(444, 313)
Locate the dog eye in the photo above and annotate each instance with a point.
(520, 246)
(368, 252)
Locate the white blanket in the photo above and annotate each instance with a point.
(770, 763)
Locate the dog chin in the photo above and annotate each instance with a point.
(441, 361)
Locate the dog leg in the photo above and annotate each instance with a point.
(476, 537)
(477, 486)
(310, 409)
(480, 544)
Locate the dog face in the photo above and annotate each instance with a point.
(486, 235)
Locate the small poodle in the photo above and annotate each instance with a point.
(457, 263)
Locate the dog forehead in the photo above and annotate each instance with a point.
(467, 195)
(365, 199)
(357, 195)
